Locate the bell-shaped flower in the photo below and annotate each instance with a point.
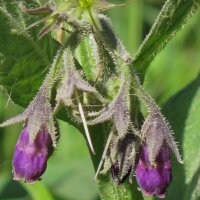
(38, 137)
(153, 172)
(154, 179)
(30, 158)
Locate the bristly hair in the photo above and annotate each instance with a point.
(156, 132)
(117, 111)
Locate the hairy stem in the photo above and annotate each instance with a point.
(172, 18)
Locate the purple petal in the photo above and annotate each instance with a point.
(154, 179)
(30, 159)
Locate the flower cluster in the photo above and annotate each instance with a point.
(150, 159)
(109, 82)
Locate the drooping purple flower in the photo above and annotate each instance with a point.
(154, 179)
(30, 158)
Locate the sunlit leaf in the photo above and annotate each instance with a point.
(183, 111)
(24, 60)
(37, 191)
(172, 18)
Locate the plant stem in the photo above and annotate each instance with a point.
(172, 18)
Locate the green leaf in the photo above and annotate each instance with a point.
(183, 112)
(24, 59)
(111, 191)
(37, 191)
(87, 58)
(172, 18)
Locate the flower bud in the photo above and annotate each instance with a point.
(125, 150)
(30, 158)
(153, 179)
(115, 172)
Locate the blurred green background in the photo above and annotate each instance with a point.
(70, 172)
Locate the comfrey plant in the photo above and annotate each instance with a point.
(92, 67)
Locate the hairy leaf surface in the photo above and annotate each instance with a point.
(172, 18)
(24, 60)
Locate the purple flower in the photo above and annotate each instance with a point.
(153, 179)
(30, 158)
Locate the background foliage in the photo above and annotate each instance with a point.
(70, 171)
